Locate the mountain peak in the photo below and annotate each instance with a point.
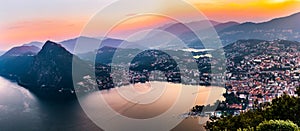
(51, 43)
(51, 47)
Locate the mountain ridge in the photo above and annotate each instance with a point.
(285, 28)
(21, 50)
(228, 32)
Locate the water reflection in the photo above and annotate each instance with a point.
(21, 110)
(171, 104)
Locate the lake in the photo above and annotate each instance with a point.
(22, 110)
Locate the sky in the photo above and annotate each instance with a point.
(36, 20)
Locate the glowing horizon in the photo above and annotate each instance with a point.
(64, 19)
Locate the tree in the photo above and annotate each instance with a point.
(277, 125)
(285, 108)
(282, 108)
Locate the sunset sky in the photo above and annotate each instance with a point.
(36, 20)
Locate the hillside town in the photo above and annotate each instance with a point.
(258, 73)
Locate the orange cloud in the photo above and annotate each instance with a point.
(254, 10)
(39, 30)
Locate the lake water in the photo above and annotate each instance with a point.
(22, 110)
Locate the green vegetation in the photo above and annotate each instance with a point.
(282, 108)
(275, 125)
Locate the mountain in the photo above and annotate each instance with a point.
(53, 61)
(13, 67)
(105, 54)
(180, 28)
(111, 42)
(188, 36)
(50, 73)
(286, 28)
(169, 36)
(35, 43)
(69, 45)
(222, 26)
(21, 51)
(1, 53)
(15, 62)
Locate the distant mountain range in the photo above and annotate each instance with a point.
(165, 37)
(69, 45)
(21, 51)
(35, 43)
(222, 26)
(285, 28)
(180, 28)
